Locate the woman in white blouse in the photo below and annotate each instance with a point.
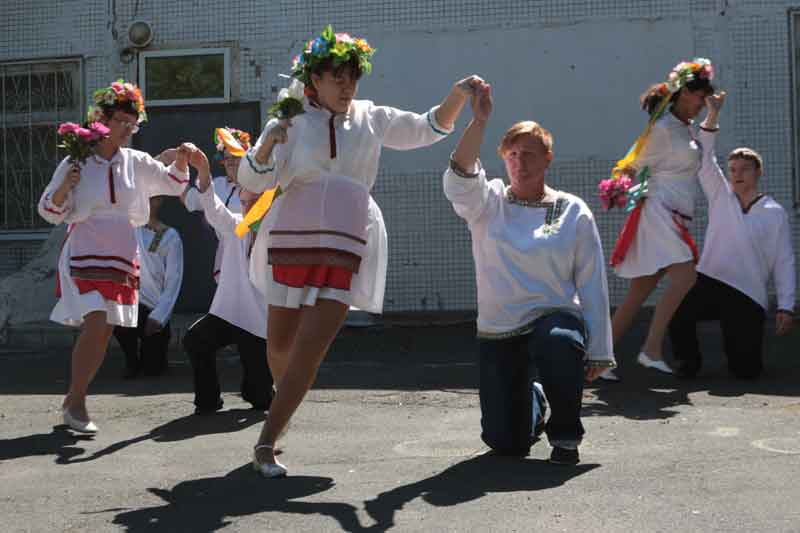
(542, 290)
(322, 247)
(102, 200)
(662, 245)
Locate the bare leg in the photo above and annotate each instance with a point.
(682, 277)
(638, 292)
(282, 325)
(87, 356)
(316, 329)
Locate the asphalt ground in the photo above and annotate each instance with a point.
(388, 439)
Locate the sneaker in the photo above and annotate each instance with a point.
(564, 456)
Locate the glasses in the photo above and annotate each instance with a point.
(133, 126)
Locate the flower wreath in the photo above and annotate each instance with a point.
(223, 137)
(341, 46)
(117, 93)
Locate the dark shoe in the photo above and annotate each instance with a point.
(203, 411)
(130, 372)
(564, 456)
(688, 369)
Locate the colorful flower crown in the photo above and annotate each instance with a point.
(341, 46)
(119, 92)
(686, 72)
(241, 136)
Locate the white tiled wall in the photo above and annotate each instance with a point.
(430, 261)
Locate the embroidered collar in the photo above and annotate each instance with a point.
(314, 107)
(512, 198)
(746, 208)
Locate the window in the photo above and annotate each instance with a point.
(34, 98)
(179, 77)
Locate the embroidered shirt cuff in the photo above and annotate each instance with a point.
(461, 172)
(434, 124)
(178, 176)
(258, 168)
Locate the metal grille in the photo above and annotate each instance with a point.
(34, 98)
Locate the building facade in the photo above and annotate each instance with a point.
(576, 67)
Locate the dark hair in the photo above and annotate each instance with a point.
(351, 66)
(652, 97)
(128, 107)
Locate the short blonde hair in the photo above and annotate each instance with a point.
(526, 127)
(748, 154)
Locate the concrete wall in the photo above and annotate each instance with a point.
(575, 66)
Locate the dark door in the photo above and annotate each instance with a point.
(167, 127)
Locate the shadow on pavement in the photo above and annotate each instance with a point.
(59, 442)
(470, 480)
(208, 504)
(184, 428)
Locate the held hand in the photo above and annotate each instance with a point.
(168, 156)
(203, 180)
(783, 322)
(714, 102)
(72, 179)
(182, 158)
(468, 85)
(482, 103)
(279, 133)
(198, 160)
(151, 327)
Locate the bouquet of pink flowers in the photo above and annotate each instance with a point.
(614, 191)
(79, 141)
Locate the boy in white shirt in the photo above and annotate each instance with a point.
(160, 277)
(748, 240)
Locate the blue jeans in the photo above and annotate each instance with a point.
(553, 353)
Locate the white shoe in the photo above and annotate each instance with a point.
(609, 375)
(657, 364)
(81, 426)
(268, 470)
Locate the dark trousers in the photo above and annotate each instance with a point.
(207, 336)
(144, 354)
(553, 354)
(741, 319)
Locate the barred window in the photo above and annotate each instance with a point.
(34, 98)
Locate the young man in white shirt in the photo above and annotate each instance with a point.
(238, 313)
(748, 240)
(160, 277)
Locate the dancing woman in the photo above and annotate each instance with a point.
(322, 247)
(655, 241)
(102, 200)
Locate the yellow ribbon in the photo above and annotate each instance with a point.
(230, 142)
(257, 212)
(633, 154)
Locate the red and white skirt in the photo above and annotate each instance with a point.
(98, 270)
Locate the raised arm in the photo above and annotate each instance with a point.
(257, 169)
(167, 179)
(465, 181)
(218, 216)
(405, 130)
(711, 177)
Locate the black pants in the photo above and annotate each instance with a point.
(144, 354)
(553, 350)
(741, 319)
(207, 336)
